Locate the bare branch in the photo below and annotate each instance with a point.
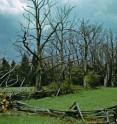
(8, 72)
(49, 36)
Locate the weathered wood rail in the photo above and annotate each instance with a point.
(104, 116)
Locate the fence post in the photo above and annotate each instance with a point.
(79, 110)
(107, 117)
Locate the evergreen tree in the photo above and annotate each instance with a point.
(5, 65)
(13, 63)
(34, 66)
(3, 70)
(24, 70)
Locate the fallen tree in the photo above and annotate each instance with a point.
(33, 95)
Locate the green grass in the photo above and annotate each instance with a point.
(27, 118)
(87, 99)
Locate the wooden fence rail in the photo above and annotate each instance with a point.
(104, 116)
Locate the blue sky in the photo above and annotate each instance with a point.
(97, 11)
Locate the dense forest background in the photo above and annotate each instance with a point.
(59, 51)
(90, 59)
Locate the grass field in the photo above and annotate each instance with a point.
(87, 99)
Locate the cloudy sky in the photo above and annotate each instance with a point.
(98, 11)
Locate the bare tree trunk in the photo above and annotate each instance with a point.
(106, 78)
(85, 64)
(38, 77)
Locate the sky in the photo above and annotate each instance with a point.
(97, 11)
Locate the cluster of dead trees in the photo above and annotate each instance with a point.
(60, 47)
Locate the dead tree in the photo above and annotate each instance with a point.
(38, 32)
(109, 54)
(88, 33)
(61, 36)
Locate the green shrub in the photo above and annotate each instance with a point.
(53, 86)
(92, 79)
(65, 87)
(77, 75)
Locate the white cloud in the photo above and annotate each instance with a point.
(12, 6)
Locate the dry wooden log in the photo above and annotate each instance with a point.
(35, 95)
(27, 95)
